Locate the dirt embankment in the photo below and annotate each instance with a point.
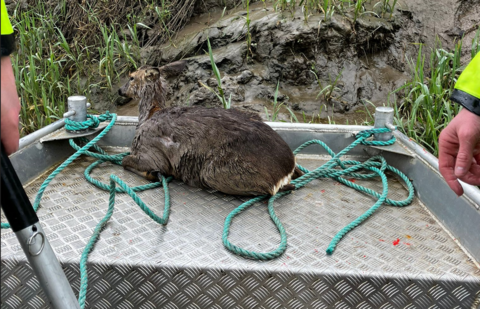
(370, 57)
(361, 61)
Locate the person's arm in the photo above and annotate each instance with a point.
(10, 107)
(9, 97)
(459, 142)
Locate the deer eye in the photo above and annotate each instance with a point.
(131, 78)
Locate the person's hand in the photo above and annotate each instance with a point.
(459, 151)
(10, 107)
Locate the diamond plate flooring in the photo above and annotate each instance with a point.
(139, 264)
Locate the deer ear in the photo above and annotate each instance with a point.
(152, 74)
(173, 68)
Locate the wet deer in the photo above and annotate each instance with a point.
(211, 148)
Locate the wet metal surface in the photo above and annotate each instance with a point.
(397, 257)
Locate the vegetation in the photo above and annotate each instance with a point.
(358, 9)
(41, 67)
(387, 6)
(277, 108)
(426, 109)
(475, 44)
(79, 48)
(327, 91)
(329, 7)
(220, 94)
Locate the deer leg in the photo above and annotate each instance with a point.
(297, 173)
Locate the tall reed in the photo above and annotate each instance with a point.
(48, 68)
(426, 108)
(220, 94)
(277, 108)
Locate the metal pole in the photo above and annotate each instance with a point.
(24, 223)
(77, 108)
(35, 136)
(383, 117)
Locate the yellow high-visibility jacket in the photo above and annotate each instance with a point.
(467, 88)
(7, 42)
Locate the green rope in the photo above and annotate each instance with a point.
(376, 164)
(79, 152)
(98, 229)
(93, 122)
(105, 187)
(112, 188)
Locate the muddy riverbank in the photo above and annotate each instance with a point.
(362, 62)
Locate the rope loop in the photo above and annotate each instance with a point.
(368, 133)
(92, 122)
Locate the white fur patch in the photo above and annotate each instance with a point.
(284, 181)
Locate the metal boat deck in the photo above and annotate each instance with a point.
(401, 257)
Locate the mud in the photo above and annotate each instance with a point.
(370, 58)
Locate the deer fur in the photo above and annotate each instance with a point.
(227, 150)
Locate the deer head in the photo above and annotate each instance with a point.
(149, 85)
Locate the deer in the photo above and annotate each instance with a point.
(227, 150)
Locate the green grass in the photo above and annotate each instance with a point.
(39, 72)
(328, 7)
(164, 14)
(387, 6)
(326, 92)
(425, 109)
(49, 67)
(277, 108)
(220, 94)
(475, 44)
(358, 10)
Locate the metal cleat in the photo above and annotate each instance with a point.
(384, 118)
(77, 111)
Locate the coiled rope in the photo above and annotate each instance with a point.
(334, 168)
(376, 164)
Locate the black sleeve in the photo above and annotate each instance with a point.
(7, 44)
(468, 101)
